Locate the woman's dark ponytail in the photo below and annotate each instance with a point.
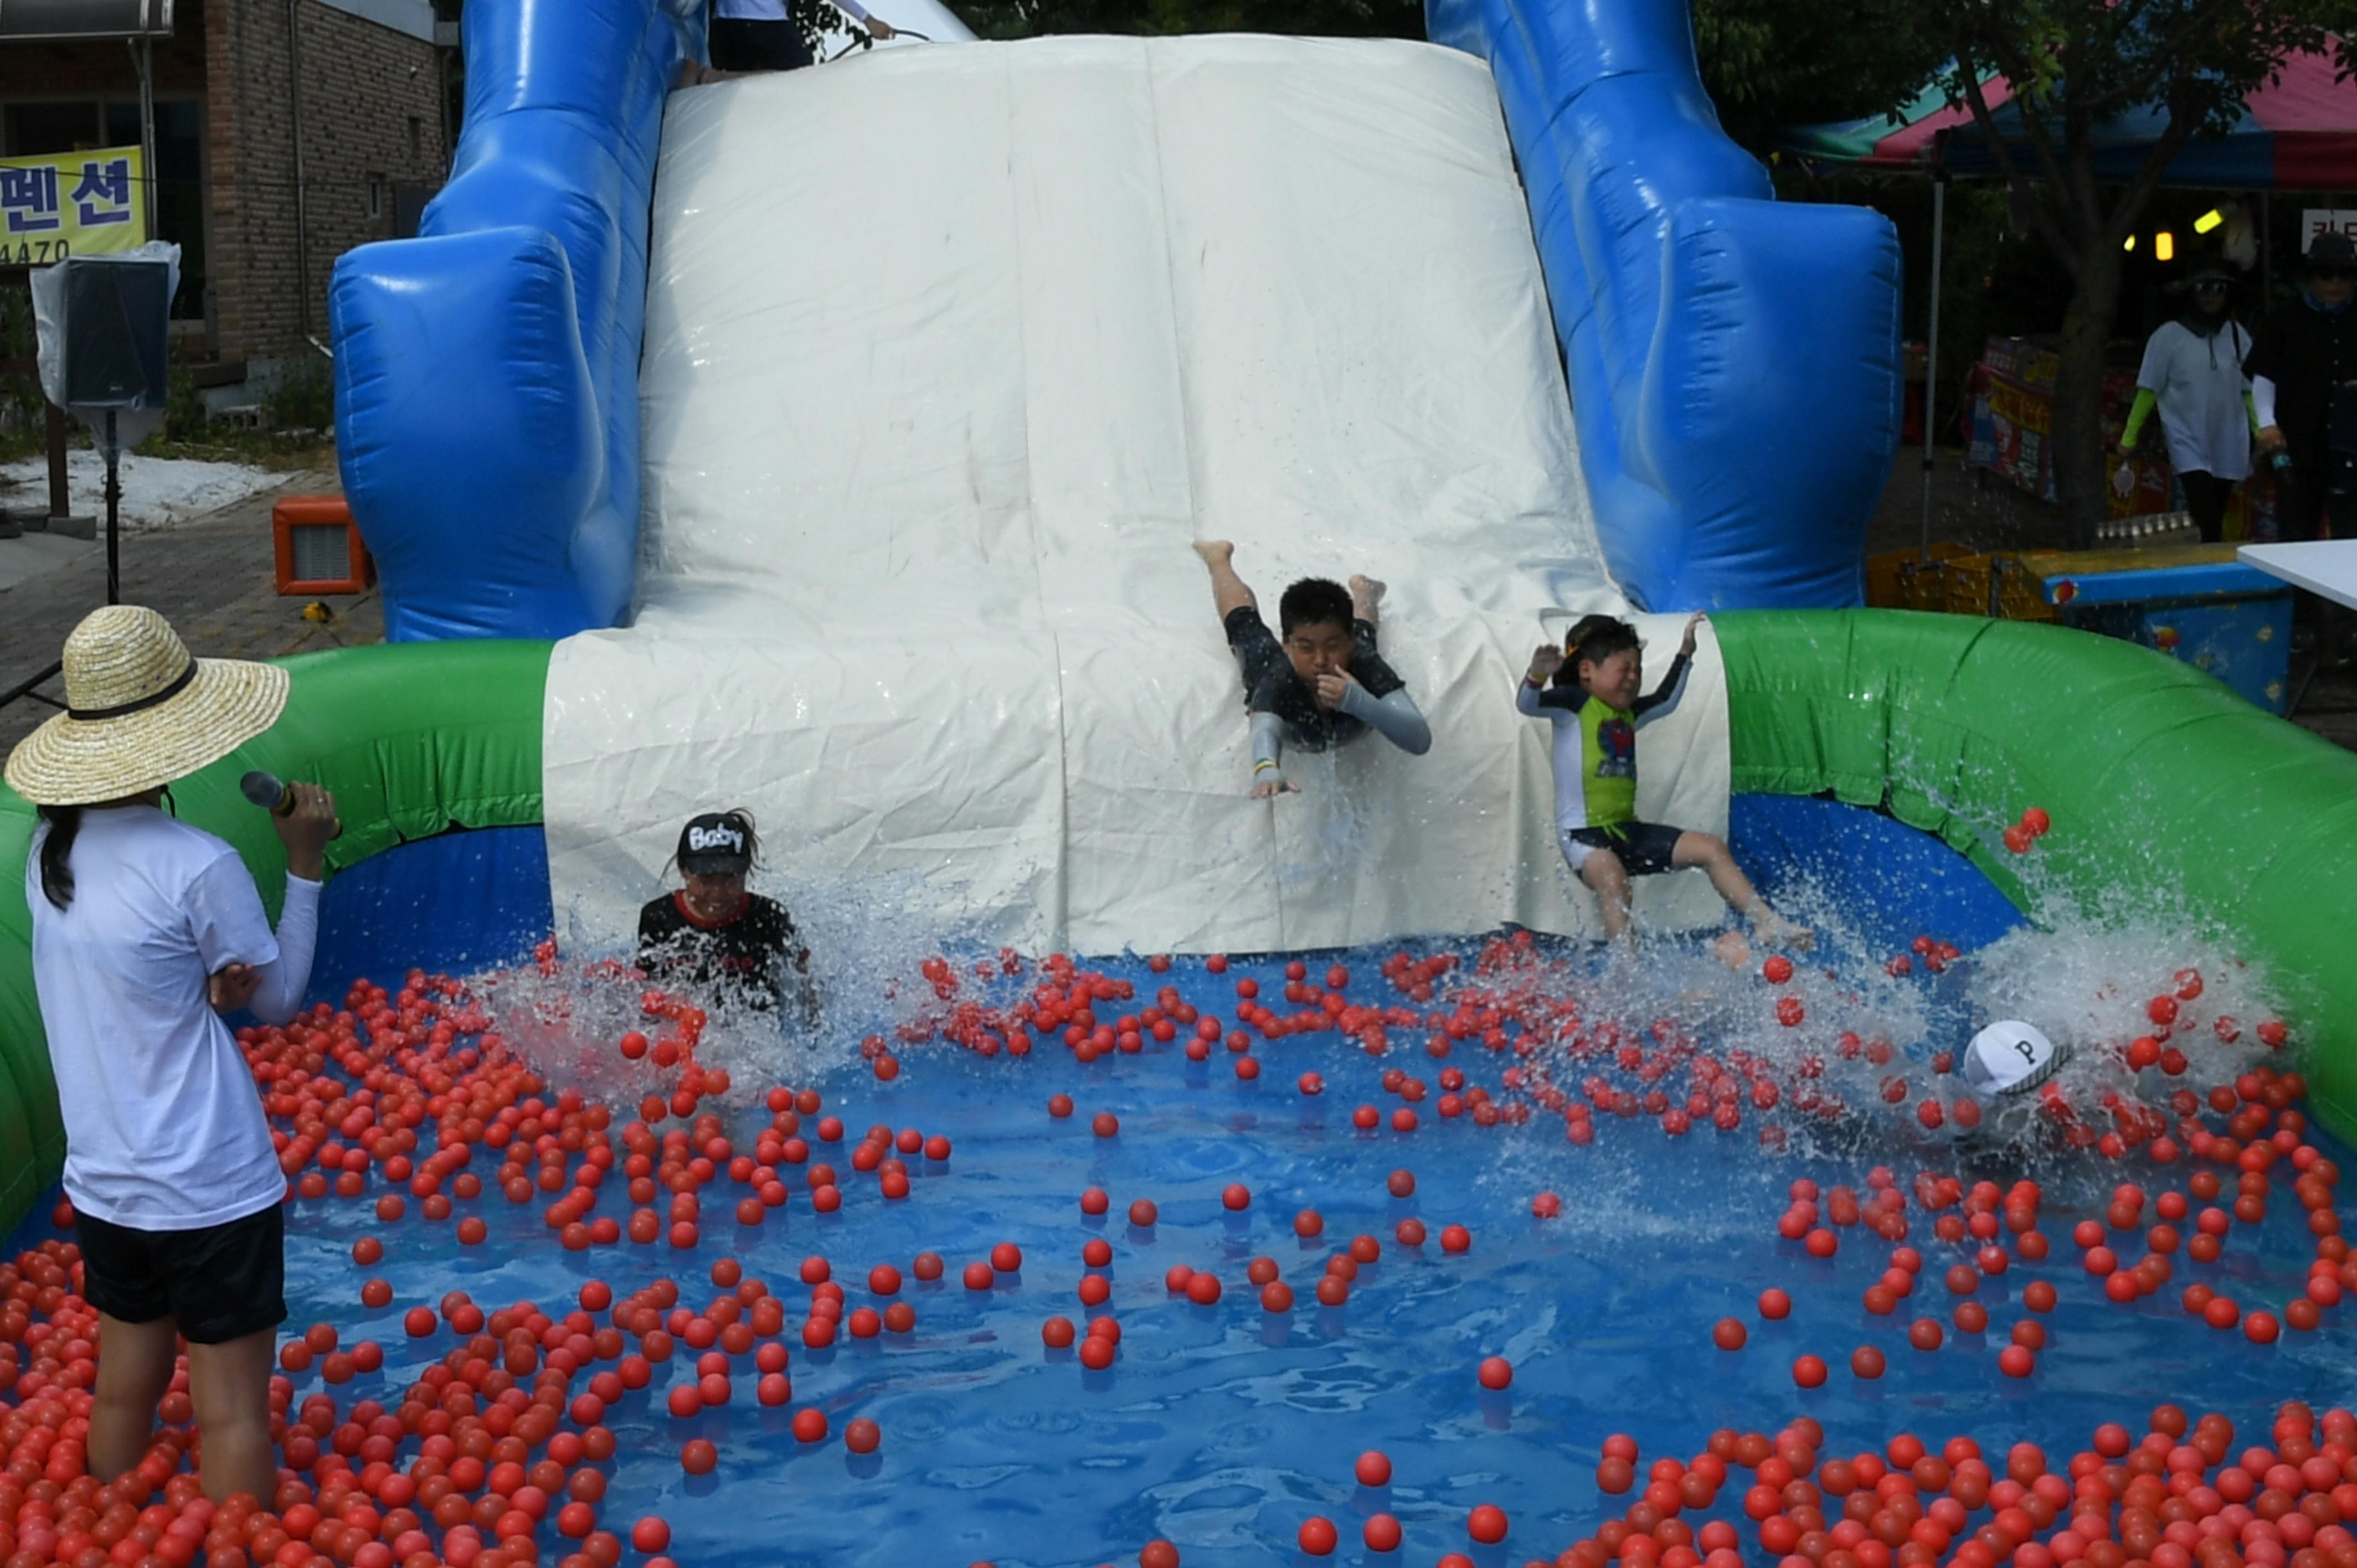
(57, 847)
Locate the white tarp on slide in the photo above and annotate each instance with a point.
(950, 353)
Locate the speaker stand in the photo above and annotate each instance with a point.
(113, 512)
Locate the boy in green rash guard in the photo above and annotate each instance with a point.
(1589, 690)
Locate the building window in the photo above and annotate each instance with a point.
(376, 197)
(417, 138)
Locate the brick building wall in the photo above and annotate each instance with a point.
(371, 101)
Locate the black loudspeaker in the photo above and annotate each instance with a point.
(118, 325)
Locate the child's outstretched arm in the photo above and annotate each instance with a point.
(1395, 717)
(1268, 751)
(1530, 692)
(1666, 696)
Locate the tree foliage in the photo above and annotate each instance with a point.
(1769, 64)
(2074, 66)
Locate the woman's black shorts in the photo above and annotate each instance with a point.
(218, 1284)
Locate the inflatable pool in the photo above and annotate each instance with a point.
(1599, 1266)
(1175, 1177)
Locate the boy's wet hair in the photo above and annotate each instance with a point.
(1315, 601)
(1593, 639)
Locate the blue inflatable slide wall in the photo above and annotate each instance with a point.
(1734, 359)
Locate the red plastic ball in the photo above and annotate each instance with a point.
(1317, 1536)
(1374, 1468)
(1487, 1524)
(1496, 1373)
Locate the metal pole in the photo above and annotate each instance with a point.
(302, 203)
(25, 688)
(1932, 352)
(2266, 251)
(113, 513)
(53, 418)
(143, 53)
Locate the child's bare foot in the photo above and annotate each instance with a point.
(1216, 552)
(1732, 949)
(1366, 594)
(1779, 932)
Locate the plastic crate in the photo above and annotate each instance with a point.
(1892, 577)
(2020, 595)
(319, 551)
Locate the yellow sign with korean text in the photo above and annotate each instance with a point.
(56, 205)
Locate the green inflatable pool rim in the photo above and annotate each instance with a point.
(414, 739)
(2164, 787)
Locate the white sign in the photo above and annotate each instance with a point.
(2315, 220)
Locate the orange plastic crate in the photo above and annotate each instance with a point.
(319, 549)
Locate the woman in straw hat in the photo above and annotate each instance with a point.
(144, 930)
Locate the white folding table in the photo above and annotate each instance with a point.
(2325, 567)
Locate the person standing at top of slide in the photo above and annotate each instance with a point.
(2192, 372)
(759, 35)
(145, 931)
(1324, 685)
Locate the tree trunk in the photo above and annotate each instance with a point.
(2077, 435)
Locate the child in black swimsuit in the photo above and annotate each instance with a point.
(715, 934)
(1324, 685)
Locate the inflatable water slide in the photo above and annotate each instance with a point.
(832, 443)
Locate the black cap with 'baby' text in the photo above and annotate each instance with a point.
(715, 845)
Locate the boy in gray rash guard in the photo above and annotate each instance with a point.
(1324, 685)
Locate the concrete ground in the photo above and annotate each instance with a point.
(1985, 513)
(212, 577)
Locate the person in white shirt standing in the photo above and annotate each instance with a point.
(759, 35)
(145, 931)
(2192, 372)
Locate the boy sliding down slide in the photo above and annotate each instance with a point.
(1594, 704)
(1324, 685)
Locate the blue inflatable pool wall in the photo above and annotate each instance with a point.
(1734, 361)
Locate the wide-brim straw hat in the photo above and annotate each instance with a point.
(140, 712)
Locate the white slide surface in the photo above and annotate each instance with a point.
(951, 352)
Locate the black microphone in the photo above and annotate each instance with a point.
(270, 792)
